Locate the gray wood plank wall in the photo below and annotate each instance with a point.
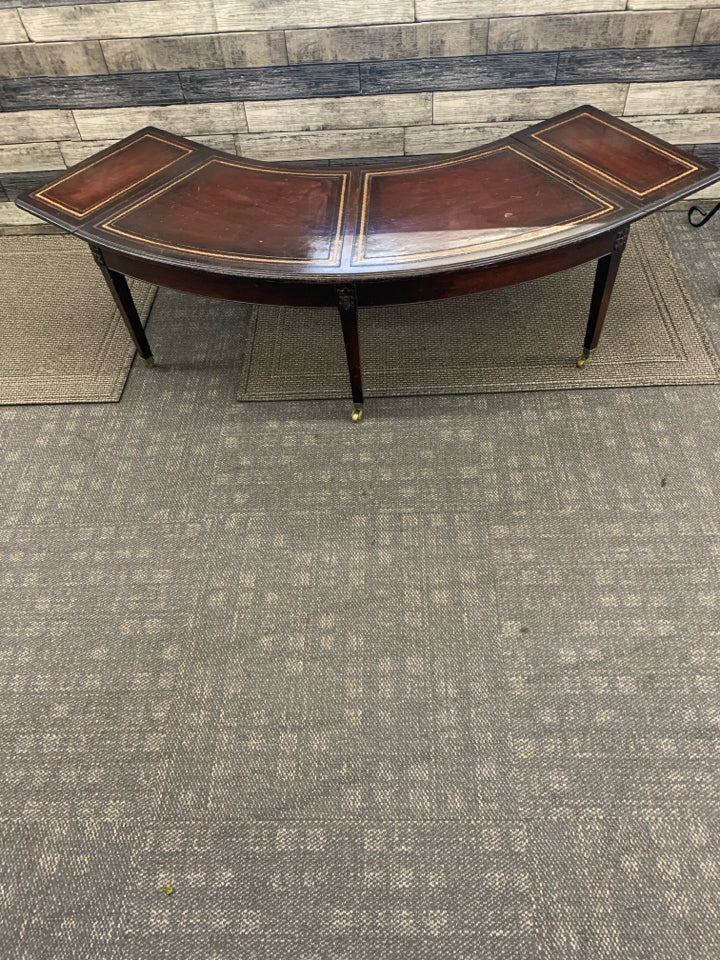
(308, 79)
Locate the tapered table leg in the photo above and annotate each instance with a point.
(347, 305)
(128, 311)
(605, 275)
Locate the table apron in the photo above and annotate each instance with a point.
(370, 292)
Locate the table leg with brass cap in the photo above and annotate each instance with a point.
(607, 270)
(347, 305)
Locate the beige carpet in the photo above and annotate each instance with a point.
(525, 337)
(62, 340)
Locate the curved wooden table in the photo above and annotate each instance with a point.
(175, 213)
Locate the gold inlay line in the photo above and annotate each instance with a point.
(83, 213)
(108, 225)
(605, 207)
(691, 167)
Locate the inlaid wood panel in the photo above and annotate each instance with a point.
(132, 19)
(448, 38)
(446, 209)
(625, 158)
(37, 125)
(592, 30)
(342, 114)
(83, 191)
(83, 58)
(284, 14)
(490, 206)
(525, 103)
(247, 213)
(673, 98)
(183, 119)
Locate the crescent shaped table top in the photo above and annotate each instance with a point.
(560, 193)
(158, 197)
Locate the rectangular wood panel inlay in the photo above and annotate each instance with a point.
(625, 158)
(98, 183)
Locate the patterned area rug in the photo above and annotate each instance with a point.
(525, 337)
(62, 339)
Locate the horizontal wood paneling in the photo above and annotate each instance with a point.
(533, 103)
(136, 54)
(447, 138)
(711, 193)
(13, 184)
(208, 51)
(254, 49)
(184, 119)
(10, 215)
(30, 156)
(465, 9)
(323, 144)
(82, 58)
(661, 63)
(343, 113)
(708, 151)
(284, 14)
(37, 93)
(389, 42)
(11, 27)
(708, 30)
(37, 125)
(75, 151)
(685, 96)
(688, 129)
(466, 73)
(669, 4)
(137, 18)
(271, 83)
(592, 30)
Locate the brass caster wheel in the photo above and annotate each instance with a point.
(357, 413)
(584, 358)
(149, 361)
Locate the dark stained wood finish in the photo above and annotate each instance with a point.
(296, 217)
(170, 211)
(113, 175)
(632, 162)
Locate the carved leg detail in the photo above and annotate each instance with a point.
(347, 305)
(118, 286)
(607, 269)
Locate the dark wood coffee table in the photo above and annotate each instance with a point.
(175, 213)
